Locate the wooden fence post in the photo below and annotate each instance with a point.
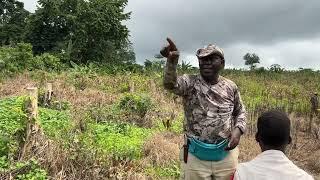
(33, 106)
(32, 112)
(48, 94)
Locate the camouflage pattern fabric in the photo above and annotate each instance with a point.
(211, 111)
(314, 103)
(208, 50)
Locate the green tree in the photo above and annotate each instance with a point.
(82, 30)
(13, 20)
(251, 60)
(50, 25)
(154, 65)
(276, 68)
(99, 34)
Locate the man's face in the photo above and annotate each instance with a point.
(210, 65)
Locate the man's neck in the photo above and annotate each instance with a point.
(283, 149)
(211, 80)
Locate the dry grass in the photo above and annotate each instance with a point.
(49, 154)
(62, 90)
(313, 162)
(249, 148)
(161, 149)
(81, 98)
(15, 86)
(306, 154)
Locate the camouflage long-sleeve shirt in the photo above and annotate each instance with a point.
(314, 103)
(211, 111)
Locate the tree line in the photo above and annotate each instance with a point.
(80, 31)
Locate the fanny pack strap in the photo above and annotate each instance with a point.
(186, 148)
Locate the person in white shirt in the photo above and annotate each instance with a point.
(272, 164)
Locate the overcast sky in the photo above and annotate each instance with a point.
(284, 32)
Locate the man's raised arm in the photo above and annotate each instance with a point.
(170, 74)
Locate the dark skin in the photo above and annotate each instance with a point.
(209, 66)
(265, 147)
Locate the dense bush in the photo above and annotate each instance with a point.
(15, 59)
(136, 103)
(19, 58)
(47, 62)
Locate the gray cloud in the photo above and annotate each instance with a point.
(227, 22)
(286, 32)
(289, 54)
(193, 24)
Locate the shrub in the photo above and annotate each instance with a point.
(46, 62)
(139, 104)
(15, 59)
(20, 58)
(119, 140)
(105, 113)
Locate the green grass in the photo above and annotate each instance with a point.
(56, 124)
(12, 124)
(12, 127)
(172, 171)
(176, 125)
(119, 140)
(111, 128)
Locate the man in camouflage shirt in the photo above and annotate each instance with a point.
(314, 103)
(213, 110)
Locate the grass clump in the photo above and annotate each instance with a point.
(120, 140)
(139, 104)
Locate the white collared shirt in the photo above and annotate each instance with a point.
(270, 165)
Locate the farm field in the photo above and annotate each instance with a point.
(126, 126)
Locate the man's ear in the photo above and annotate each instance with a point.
(289, 140)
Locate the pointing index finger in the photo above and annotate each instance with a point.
(173, 47)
